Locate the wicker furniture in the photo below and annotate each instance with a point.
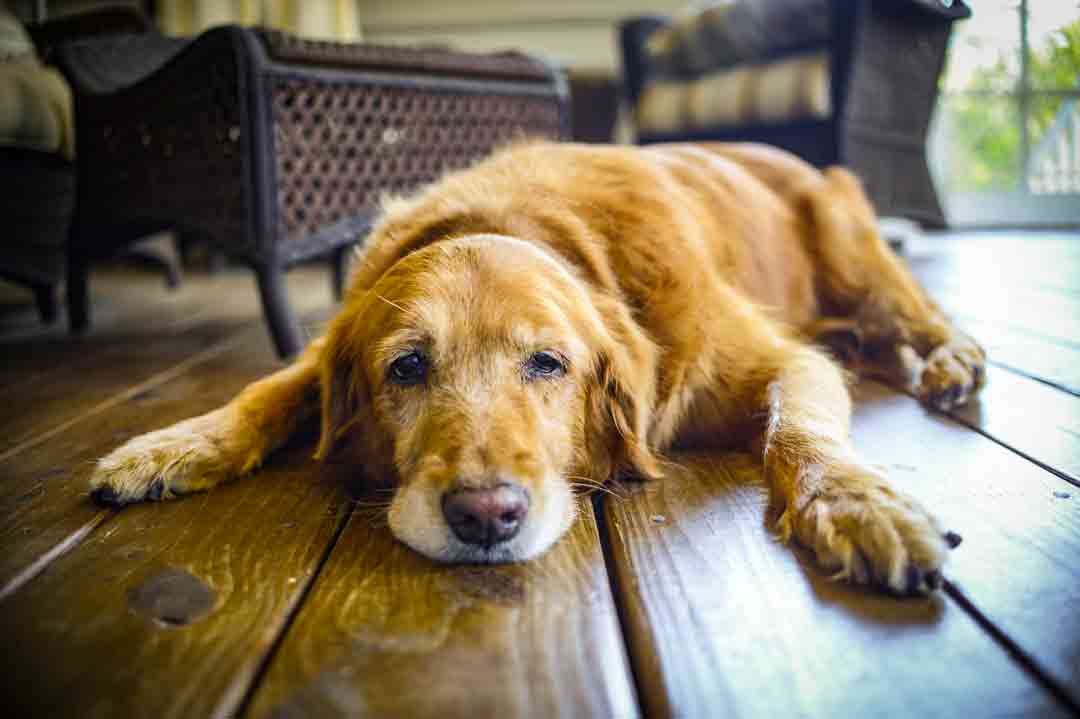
(276, 149)
(885, 57)
(37, 186)
(38, 196)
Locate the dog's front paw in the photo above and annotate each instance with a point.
(867, 533)
(189, 456)
(953, 373)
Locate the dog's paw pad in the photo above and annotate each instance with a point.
(106, 496)
(164, 464)
(952, 374)
(872, 535)
(156, 491)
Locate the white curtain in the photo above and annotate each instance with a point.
(318, 19)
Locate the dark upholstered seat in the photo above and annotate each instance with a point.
(882, 59)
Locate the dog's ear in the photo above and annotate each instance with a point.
(622, 397)
(342, 383)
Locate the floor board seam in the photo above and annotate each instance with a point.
(57, 551)
(1020, 329)
(983, 433)
(1061, 474)
(1033, 377)
(621, 611)
(238, 703)
(1026, 661)
(96, 352)
(109, 403)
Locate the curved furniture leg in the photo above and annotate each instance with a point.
(161, 261)
(45, 298)
(78, 293)
(284, 328)
(340, 271)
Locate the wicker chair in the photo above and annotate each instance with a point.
(885, 57)
(276, 149)
(37, 188)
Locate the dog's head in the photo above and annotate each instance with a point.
(483, 379)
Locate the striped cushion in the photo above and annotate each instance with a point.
(732, 32)
(791, 89)
(15, 44)
(35, 101)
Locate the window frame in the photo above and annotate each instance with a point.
(1019, 206)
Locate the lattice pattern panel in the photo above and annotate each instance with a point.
(339, 147)
(896, 178)
(895, 74)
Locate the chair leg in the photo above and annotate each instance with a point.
(45, 298)
(284, 328)
(78, 293)
(339, 270)
(168, 265)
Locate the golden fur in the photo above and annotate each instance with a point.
(680, 285)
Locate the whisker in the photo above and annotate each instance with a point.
(596, 488)
(408, 313)
(363, 504)
(590, 483)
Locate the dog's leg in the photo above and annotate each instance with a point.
(798, 414)
(207, 450)
(824, 495)
(903, 335)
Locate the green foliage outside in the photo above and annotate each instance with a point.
(984, 131)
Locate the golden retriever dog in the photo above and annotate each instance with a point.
(559, 314)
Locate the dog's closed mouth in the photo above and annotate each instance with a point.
(473, 554)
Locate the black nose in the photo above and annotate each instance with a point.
(486, 516)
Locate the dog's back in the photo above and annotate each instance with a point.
(667, 225)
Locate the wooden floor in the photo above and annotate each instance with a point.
(278, 595)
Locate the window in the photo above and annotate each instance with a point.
(1005, 146)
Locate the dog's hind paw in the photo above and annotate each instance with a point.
(952, 375)
(867, 533)
(186, 457)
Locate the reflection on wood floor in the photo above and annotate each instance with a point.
(278, 595)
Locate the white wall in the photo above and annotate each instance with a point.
(580, 34)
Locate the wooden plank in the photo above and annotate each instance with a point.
(127, 304)
(1031, 355)
(1020, 560)
(45, 501)
(1038, 421)
(722, 620)
(86, 373)
(169, 610)
(1018, 293)
(41, 406)
(21, 325)
(386, 632)
(91, 637)
(1040, 303)
(122, 302)
(1052, 317)
(1002, 261)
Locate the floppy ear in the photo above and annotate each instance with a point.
(621, 401)
(342, 384)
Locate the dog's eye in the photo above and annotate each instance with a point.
(409, 369)
(544, 364)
